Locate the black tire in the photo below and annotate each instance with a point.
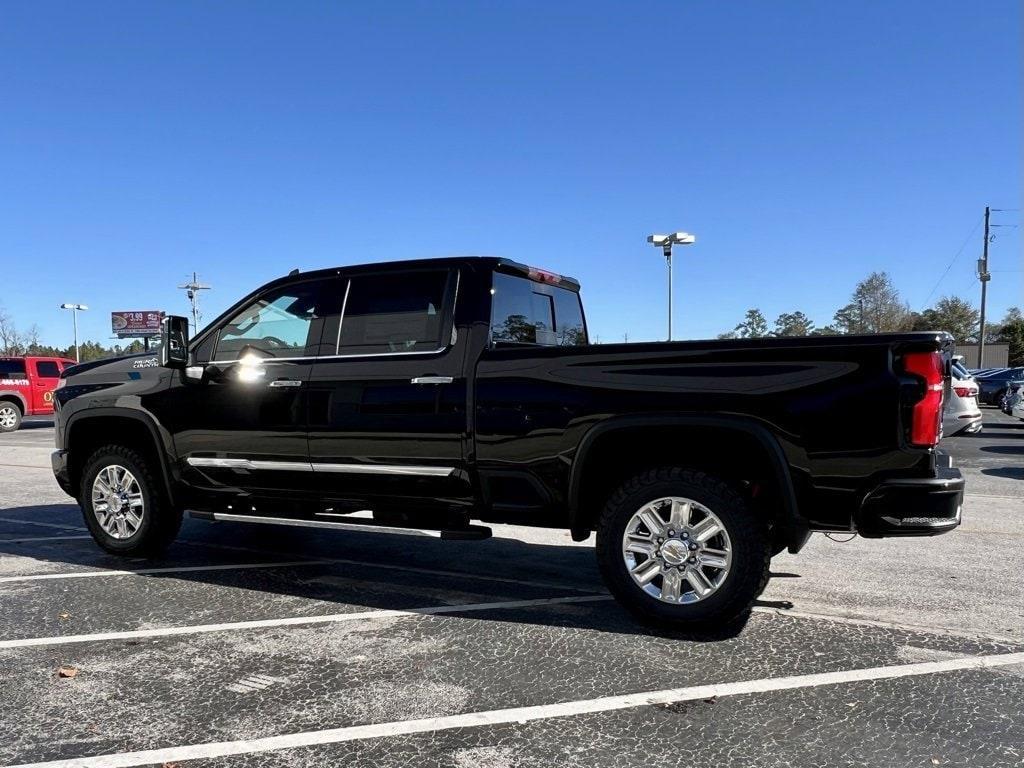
(749, 537)
(160, 521)
(10, 416)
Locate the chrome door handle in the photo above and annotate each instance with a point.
(433, 380)
(285, 383)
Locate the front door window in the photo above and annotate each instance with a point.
(281, 323)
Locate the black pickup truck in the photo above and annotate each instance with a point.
(436, 393)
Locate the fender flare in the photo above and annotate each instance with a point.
(89, 414)
(16, 395)
(795, 526)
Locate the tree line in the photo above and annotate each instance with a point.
(876, 307)
(16, 343)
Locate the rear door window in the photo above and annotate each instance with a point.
(526, 312)
(395, 313)
(12, 369)
(47, 369)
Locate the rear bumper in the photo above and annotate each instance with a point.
(59, 462)
(924, 506)
(965, 422)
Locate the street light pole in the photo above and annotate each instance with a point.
(668, 258)
(75, 309)
(666, 242)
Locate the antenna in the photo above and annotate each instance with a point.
(192, 290)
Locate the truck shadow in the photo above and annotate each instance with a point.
(36, 424)
(1013, 473)
(1004, 449)
(430, 572)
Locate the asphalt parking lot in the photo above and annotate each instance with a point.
(247, 645)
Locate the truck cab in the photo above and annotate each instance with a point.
(26, 387)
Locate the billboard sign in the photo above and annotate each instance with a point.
(137, 324)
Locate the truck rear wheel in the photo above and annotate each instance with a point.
(124, 507)
(679, 548)
(10, 416)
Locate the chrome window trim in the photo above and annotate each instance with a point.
(341, 317)
(336, 357)
(416, 470)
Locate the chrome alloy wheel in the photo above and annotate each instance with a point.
(117, 501)
(677, 550)
(8, 416)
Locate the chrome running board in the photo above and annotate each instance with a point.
(470, 532)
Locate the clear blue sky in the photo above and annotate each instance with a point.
(805, 143)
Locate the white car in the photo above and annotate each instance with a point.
(1018, 409)
(961, 412)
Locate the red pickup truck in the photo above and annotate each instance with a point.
(26, 387)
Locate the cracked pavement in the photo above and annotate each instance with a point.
(863, 605)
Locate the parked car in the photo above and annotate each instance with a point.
(960, 411)
(1018, 409)
(992, 384)
(26, 387)
(439, 392)
(1012, 395)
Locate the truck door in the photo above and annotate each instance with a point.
(388, 417)
(239, 420)
(45, 375)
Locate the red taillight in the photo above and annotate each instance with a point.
(965, 391)
(927, 415)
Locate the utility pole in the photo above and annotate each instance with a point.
(192, 291)
(984, 276)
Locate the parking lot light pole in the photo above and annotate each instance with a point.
(665, 242)
(75, 309)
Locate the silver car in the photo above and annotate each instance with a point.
(961, 412)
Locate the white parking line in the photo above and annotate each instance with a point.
(21, 539)
(149, 571)
(520, 715)
(334, 618)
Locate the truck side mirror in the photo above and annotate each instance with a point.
(174, 342)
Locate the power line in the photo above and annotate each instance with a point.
(938, 282)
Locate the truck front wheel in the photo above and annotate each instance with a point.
(10, 416)
(679, 548)
(124, 507)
